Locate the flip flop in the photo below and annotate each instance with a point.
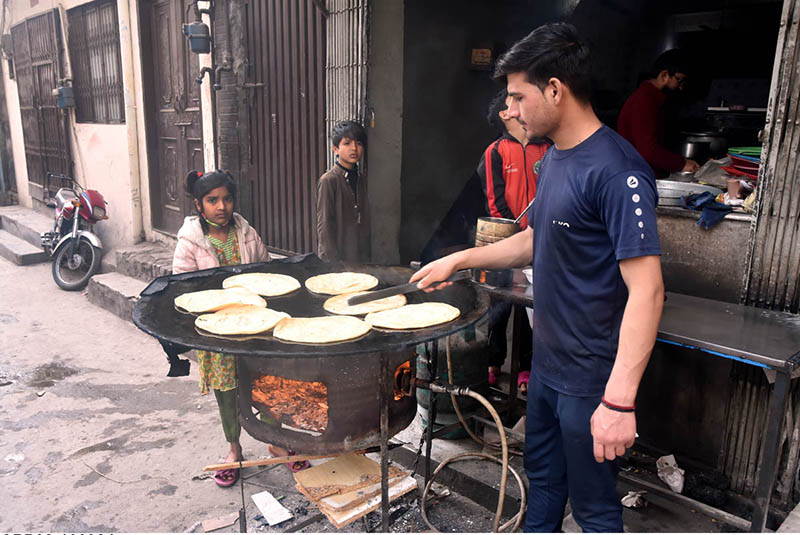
(297, 466)
(523, 378)
(294, 466)
(492, 378)
(226, 478)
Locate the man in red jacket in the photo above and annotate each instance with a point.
(508, 171)
(509, 166)
(641, 120)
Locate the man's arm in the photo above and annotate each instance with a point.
(514, 251)
(326, 222)
(645, 139)
(615, 431)
(496, 184)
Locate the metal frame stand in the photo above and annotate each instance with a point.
(765, 476)
(384, 444)
(433, 368)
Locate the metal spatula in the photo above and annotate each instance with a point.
(401, 289)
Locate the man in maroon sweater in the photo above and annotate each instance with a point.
(641, 120)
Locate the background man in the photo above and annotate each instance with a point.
(596, 281)
(508, 172)
(641, 120)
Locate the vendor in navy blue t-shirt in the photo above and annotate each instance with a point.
(597, 285)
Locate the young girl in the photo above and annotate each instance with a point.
(217, 236)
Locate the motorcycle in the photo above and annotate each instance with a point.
(75, 249)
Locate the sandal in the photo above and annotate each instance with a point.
(226, 478)
(294, 466)
(492, 378)
(522, 382)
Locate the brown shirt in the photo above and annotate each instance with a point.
(343, 225)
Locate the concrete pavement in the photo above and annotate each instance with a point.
(95, 437)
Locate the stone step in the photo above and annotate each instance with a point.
(145, 261)
(115, 292)
(25, 223)
(19, 251)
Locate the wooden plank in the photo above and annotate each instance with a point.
(342, 518)
(347, 500)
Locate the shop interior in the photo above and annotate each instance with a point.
(723, 103)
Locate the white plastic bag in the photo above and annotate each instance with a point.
(669, 473)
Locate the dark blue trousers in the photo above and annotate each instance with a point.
(560, 465)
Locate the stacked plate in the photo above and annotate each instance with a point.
(745, 161)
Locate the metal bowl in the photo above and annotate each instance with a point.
(681, 176)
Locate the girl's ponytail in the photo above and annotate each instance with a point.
(191, 179)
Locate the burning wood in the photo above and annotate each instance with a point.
(298, 403)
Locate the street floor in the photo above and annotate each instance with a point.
(96, 438)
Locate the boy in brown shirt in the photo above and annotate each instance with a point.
(343, 224)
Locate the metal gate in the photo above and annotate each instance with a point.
(38, 65)
(773, 267)
(772, 278)
(286, 95)
(346, 64)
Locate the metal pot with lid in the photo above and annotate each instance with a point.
(699, 145)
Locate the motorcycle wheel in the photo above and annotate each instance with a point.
(73, 271)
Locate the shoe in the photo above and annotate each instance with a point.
(226, 478)
(493, 376)
(294, 466)
(523, 378)
(492, 379)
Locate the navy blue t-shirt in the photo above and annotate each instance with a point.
(595, 205)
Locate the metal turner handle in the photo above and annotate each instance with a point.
(525, 211)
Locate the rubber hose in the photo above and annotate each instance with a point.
(460, 416)
(500, 429)
(516, 520)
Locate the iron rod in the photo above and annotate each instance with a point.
(384, 443)
(433, 370)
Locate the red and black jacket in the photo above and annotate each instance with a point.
(508, 172)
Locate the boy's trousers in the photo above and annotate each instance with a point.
(559, 463)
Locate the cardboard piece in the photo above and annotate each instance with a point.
(212, 524)
(343, 474)
(344, 517)
(271, 509)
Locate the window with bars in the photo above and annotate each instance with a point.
(96, 65)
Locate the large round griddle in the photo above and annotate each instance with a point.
(156, 315)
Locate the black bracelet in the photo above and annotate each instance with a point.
(616, 408)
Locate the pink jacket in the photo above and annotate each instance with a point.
(194, 252)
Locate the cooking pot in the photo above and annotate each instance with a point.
(717, 142)
(496, 227)
(695, 150)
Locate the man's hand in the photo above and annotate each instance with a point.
(436, 271)
(612, 433)
(690, 166)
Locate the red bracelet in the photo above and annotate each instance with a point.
(614, 407)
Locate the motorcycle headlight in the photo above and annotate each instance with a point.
(98, 212)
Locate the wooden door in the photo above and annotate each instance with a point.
(175, 130)
(38, 66)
